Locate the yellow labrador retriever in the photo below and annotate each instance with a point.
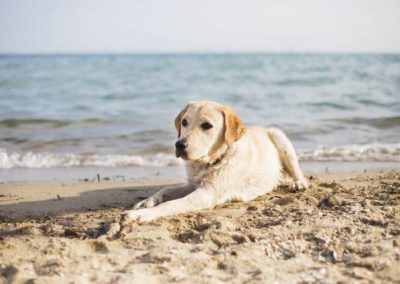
(225, 161)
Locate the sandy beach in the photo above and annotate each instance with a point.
(344, 228)
(103, 104)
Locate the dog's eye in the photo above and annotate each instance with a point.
(184, 122)
(206, 126)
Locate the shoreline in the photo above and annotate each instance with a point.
(134, 174)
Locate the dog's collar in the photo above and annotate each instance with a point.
(215, 162)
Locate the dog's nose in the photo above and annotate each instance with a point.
(181, 144)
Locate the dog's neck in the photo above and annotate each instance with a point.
(215, 162)
(196, 170)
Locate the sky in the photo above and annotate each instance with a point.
(129, 26)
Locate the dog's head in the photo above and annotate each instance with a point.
(204, 128)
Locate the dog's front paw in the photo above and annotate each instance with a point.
(299, 184)
(140, 215)
(149, 202)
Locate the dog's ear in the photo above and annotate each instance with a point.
(234, 128)
(178, 120)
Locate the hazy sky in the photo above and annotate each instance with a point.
(71, 26)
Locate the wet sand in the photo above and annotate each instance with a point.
(344, 228)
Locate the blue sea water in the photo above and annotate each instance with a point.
(118, 110)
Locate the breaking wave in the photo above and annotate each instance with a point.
(353, 153)
(52, 160)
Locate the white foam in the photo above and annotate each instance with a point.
(354, 153)
(50, 160)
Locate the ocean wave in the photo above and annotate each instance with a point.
(12, 123)
(329, 105)
(353, 153)
(380, 123)
(317, 81)
(52, 160)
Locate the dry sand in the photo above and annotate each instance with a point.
(344, 228)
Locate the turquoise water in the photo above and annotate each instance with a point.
(118, 110)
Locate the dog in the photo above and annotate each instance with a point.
(225, 161)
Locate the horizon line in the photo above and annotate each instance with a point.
(216, 52)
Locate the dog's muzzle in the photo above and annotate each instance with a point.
(180, 148)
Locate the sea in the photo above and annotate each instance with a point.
(117, 110)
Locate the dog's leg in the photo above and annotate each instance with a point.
(165, 194)
(288, 157)
(201, 198)
(248, 193)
